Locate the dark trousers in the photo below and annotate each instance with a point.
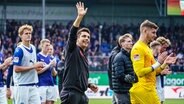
(73, 97)
(123, 98)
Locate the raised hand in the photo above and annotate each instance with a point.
(80, 9)
(162, 57)
(53, 62)
(170, 59)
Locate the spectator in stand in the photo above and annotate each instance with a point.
(58, 31)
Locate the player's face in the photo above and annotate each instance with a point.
(151, 34)
(51, 50)
(158, 48)
(164, 47)
(83, 40)
(27, 35)
(127, 44)
(45, 47)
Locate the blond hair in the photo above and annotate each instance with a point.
(19, 43)
(154, 43)
(44, 41)
(23, 27)
(163, 40)
(123, 37)
(148, 24)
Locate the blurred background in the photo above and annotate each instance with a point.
(107, 20)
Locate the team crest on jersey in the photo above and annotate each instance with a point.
(16, 59)
(136, 57)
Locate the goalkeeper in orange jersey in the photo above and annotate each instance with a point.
(146, 67)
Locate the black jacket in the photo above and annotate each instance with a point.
(114, 52)
(122, 66)
(76, 65)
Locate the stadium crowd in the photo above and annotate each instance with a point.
(99, 51)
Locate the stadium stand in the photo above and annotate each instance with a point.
(98, 54)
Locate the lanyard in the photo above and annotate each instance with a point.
(83, 56)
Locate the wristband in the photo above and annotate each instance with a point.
(155, 66)
(152, 69)
(163, 66)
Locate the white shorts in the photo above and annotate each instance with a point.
(160, 92)
(26, 95)
(56, 91)
(3, 99)
(47, 93)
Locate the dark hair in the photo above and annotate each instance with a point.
(84, 29)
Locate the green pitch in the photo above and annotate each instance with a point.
(108, 101)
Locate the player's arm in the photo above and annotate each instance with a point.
(45, 67)
(6, 63)
(165, 71)
(170, 59)
(54, 72)
(160, 69)
(81, 12)
(137, 57)
(19, 69)
(161, 58)
(18, 55)
(10, 73)
(41, 70)
(73, 31)
(1, 66)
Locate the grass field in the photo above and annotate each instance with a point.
(105, 101)
(108, 101)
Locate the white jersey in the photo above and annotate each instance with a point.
(24, 56)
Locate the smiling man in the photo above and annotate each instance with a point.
(75, 78)
(122, 71)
